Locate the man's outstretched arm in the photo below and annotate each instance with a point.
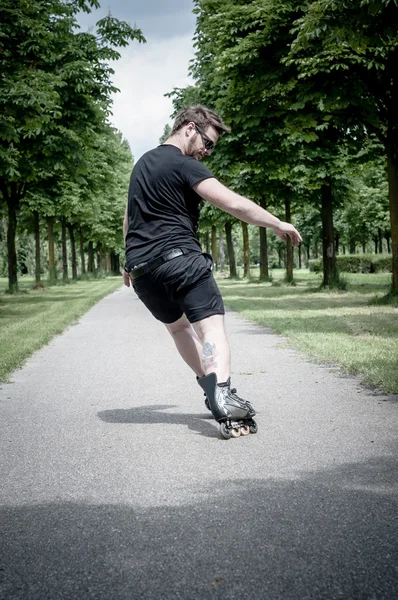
(244, 209)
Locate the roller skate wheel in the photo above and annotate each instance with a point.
(235, 432)
(225, 431)
(253, 427)
(245, 430)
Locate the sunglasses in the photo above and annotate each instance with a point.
(208, 143)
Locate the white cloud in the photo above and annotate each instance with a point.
(144, 73)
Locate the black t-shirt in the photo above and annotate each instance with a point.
(163, 209)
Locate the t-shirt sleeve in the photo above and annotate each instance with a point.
(193, 171)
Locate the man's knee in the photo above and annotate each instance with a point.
(178, 326)
(215, 323)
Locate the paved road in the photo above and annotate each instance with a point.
(116, 485)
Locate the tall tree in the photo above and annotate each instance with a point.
(350, 49)
(55, 93)
(241, 65)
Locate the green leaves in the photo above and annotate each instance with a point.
(55, 97)
(113, 32)
(55, 91)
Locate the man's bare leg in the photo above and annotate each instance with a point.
(188, 344)
(203, 345)
(216, 356)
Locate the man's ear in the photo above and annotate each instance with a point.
(189, 128)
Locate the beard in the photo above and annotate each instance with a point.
(192, 151)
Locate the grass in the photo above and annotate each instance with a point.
(351, 328)
(31, 318)
(347, 328)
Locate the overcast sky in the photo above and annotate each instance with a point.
(145, 72)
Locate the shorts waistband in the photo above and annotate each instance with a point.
(151, 265)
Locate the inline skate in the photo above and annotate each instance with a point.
(234, 414)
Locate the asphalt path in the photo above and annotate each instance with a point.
(116, 484)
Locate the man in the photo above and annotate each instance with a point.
(165, 263)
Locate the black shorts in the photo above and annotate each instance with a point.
(184, 284)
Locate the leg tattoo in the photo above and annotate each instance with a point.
(209, 354)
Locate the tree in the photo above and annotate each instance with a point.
(166, 134)
(241, 69)
(351, 49)
(55, 94)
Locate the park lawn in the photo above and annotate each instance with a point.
(31, 318)
(339, 328)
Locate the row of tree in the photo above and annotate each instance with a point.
(232, 257)
(60, 160)
(310, 90)
(81, 219)
(361, 224)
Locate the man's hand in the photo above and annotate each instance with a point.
(286, 229)
(126, 278)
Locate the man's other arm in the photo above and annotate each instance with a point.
(244, 209)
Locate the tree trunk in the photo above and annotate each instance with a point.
(108, 262)
(230, 250)
(115, 263)
(207, 242)
(393, 199)
(352, 246)
(102, 255)
(36, 229)
(64, 250)
(380, 239)
(308, 253)
(299, 256)
(73, 250)
(52, 275)
(264, 273)
(221, 253)
(246, 250)
(214, 245)
(98, 253)
(376, 243)
(12, 203)
(337, 243)
(82, 261)
(330, 274)
(364, 248)
(289, 245)
(388, 238)
(90, 262)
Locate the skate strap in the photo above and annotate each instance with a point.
(223, 384)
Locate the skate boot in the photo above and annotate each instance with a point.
(233, 393)
(207, 403)
(236, 397)
(234, 415)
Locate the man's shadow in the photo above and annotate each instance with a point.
(155, 413)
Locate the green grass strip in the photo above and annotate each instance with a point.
(31, 318)
(339, 328)
(342, 328)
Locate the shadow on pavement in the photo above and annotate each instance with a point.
(330, 535)
(153, 414)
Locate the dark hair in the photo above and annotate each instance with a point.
(202, 116)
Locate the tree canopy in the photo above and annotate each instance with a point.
(55, 97)
(309, 90)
